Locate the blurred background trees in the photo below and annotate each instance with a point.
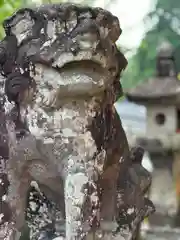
(162, 23)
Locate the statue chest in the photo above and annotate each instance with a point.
(63, 132)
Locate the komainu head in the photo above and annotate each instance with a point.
(74, 44)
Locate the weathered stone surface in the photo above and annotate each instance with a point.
(61, 68)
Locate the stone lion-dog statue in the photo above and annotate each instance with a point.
(60, 70)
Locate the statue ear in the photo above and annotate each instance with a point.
(22, 24)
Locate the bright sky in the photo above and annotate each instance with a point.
(130, 14)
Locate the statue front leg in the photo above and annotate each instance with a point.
(14, 203)
(74, 185)
(16, 181)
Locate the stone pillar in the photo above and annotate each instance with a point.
(176, 178)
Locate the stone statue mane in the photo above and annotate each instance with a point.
(61, 70)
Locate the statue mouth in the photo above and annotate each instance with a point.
(73, 79)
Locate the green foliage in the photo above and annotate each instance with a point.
(7, 7)
(165, 25)
(1, 2)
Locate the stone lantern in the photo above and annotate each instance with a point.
(161, 96)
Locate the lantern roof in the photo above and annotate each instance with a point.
(164, 86)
